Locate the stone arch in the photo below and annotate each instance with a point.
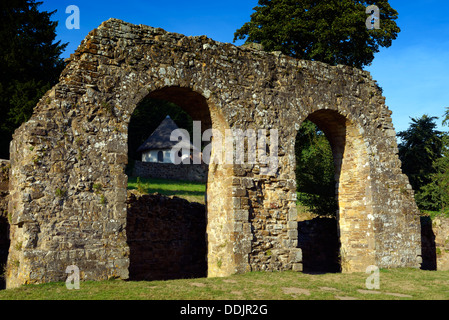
(68, 187)
(354, 217)
(190, 101)
(207, 116)
(219, 234)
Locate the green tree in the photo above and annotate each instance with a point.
(331, 31)
(421, 145)
(30, 63)
(421, 150)
(315, 172)
(435, 195)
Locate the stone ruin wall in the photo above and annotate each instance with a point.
(435, 243)
(440, 227)
(166, 237)
(188, 172)
(167, 240)
(4, 222)
(68, 184)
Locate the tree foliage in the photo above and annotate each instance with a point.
(435, 195)
(331, 31)
(421, 145)
(315, 173)
(424, 152)
(30, 63)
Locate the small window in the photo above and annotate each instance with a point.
(160, 156)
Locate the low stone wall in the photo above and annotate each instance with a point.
(441, 230)
(319, 241)
(188, 172)
(4, 224)
(320, 244)
(166, 237)
(435, 243)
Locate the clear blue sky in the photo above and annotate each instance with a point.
(414, 71)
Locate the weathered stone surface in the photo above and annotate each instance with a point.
(435, 243)
(76, 141)
(187, 172)
(4, 224)
(441, 231)
(166, 237)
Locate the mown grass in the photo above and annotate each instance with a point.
(191, 191)
(395, 284)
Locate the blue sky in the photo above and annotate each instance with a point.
(413, 72)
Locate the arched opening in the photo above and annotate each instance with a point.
(340, 237)
(167, 214)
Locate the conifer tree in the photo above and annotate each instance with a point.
(30, 63)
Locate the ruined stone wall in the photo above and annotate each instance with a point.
(435, 243)
(68, 186)
(166, 237)
(188, 172)
(4, 223)
(440, 228)
(320, 245)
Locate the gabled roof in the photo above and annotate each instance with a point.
(160, 138)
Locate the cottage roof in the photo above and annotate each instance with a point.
(160, 138)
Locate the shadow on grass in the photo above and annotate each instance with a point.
(166, 238)
(320, 245)
(428, 246)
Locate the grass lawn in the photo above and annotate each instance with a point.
(191, 191)
(395, 284)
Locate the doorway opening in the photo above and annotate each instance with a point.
(317, 203)
(350, 237)
(167, 214)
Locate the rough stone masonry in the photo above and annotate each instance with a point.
(68, 186)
